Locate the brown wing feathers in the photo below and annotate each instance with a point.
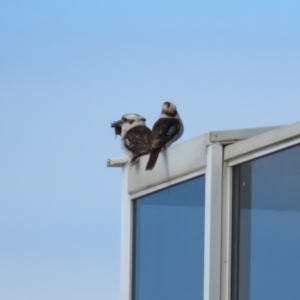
(163, 131)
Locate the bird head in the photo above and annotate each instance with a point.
(127, 122)
(169, 109)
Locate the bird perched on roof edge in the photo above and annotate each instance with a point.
(166, 130)
(136, 136)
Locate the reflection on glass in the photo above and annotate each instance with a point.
(266, 227)
(168, 246)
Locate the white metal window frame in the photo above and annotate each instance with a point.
(238, 153)
(203, 155)
(136, 183)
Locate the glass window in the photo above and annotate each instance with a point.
(266, 227)
(169, 243)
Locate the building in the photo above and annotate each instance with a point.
(218, 218)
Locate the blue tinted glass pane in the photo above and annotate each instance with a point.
(169, 243)
(270, 227)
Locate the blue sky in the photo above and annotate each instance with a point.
(69, 68)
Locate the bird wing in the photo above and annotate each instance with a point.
(163, 131)
(138, 139)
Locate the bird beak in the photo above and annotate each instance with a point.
(117, 126)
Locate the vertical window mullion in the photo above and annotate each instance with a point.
(235, 234)
(213, 222)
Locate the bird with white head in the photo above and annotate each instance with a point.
(135, 135)
(166, 130)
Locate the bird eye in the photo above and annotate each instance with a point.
(143, 119)
(124, 119)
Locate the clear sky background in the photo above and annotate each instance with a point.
(69, 68)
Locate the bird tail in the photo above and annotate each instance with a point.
(136, 156)
(152, 158)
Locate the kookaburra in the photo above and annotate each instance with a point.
(136, 136)
(166, 130)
